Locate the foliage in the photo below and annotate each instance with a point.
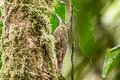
(85, 30)
(60, 10)
(113, 57)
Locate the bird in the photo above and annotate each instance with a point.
(61, 41)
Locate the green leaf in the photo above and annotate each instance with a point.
(112, 59)
(60, 10)
(84, 31)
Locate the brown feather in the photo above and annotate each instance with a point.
(61, 37)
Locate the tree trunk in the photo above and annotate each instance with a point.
(27, 45)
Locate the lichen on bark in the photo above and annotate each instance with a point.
(27, 44)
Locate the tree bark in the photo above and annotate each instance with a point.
(27, 44)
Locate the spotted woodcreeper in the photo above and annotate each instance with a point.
(61, 40)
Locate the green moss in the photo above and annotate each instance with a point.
(20, 61)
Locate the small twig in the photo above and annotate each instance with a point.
(72, 61)
(71, 26)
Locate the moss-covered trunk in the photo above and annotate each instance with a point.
(27, 45)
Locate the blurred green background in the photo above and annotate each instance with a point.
(96, 28)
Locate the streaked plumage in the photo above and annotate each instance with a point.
(61, 40)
